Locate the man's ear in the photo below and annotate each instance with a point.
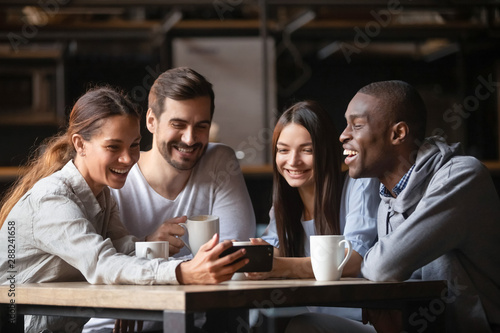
(151, 121)
(400, 132)
(79, 144)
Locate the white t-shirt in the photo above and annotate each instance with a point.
(215, 187)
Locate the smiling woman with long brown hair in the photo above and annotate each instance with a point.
(311, 195)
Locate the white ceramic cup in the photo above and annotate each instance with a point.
(328, 256)
(200, 229)
(152, 250)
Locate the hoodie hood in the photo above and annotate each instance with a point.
(432, 155)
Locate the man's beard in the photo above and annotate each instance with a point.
(167, 147)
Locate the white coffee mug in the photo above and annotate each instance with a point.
(328, 256)
(200, 229)
(152, 250)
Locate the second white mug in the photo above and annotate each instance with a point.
(152, 250)
(200, 229)
(328, 256)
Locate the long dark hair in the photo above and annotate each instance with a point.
(288, 206)
(85, 119)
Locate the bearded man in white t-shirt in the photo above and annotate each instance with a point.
(183, 174)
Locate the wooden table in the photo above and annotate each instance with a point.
(175, 305)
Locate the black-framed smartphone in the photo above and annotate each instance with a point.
(261, 257)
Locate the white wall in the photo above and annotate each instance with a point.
(234, 66)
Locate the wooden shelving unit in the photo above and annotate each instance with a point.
(265, 20)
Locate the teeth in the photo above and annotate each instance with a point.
(184, 150)
(350, 152)
(295, 172)
(120, 171)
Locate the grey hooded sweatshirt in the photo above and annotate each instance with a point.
(445, 225)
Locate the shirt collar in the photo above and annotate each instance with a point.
(82, 190)
(399, 186)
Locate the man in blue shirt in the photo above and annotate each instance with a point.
(439, 214)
